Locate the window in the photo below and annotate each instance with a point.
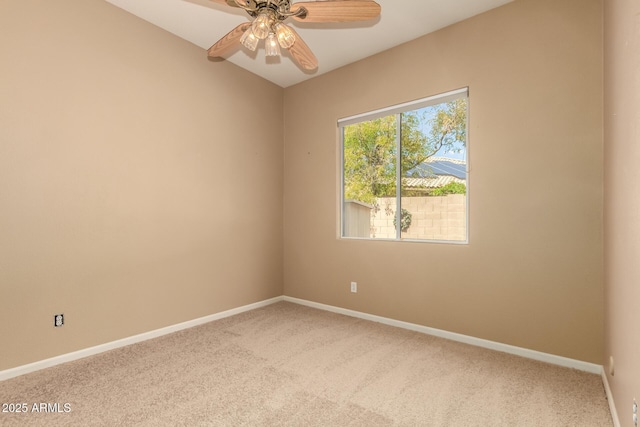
(404, 171)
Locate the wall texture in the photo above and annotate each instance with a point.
(622, 202)
(531, 275)
(124, 180)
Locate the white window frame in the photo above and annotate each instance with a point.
(397, 110)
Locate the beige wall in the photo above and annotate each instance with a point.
(531, 275)
(622, 201)
(124, 175)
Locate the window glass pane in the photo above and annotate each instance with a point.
(369, 173)
(404, 171)
(434, 172)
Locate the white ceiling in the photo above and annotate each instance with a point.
(203, 22)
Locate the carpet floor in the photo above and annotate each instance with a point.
(291, 365)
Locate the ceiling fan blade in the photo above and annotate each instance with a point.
(302, 54)
(338, 10)
(229, 41)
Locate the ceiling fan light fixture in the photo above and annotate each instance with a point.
(262, 24)
(249, 40)
(286, 38)
(267, 23)
(271, 46)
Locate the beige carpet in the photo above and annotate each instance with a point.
(292, 365)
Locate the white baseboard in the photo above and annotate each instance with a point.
(478, 342)
(612, 405)
(64, 358)
(519, 351)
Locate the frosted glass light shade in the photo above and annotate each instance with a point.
(271, 46)
(286, 38)
(262, 25)
(249, 40)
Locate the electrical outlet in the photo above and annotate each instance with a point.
(612, 368)
(635, 413)
(58, 320)
(354, 287)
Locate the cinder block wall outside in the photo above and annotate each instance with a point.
(433, 218)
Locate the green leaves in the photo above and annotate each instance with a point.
(450, 188)
(370, 159)
(450, 124)
(371, 147)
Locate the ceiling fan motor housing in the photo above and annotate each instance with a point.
(281, 8)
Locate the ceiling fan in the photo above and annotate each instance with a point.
(267, 24)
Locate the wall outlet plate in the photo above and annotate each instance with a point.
(58, 320)
(612, 368)
(354, 287)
